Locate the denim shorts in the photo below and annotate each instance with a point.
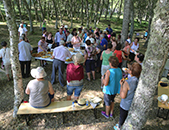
(77, 89)
(108, 99)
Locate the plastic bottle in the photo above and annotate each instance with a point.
(73, 106)
(87, 103)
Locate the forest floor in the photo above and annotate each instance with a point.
(79, 120)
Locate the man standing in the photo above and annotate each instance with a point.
(59, 36)
(59, 55)
(69, 38)
(109, 29)
(22, 30)
(103, 41)
(25, 51)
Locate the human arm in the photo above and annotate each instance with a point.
(51, 91)
(106, 79)
(101, 57)
(27, 91)
(124, 88)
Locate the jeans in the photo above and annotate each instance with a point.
(77, 89)
(27, 63)
(123, 116)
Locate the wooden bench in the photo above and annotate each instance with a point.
(54, 107)
(162, 90)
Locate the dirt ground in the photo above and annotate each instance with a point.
(81, 120)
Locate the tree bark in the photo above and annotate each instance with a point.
(101, 10)
(30, 16)
(56, 17)
(132, 19)
(126, 20)
(154, 62)
(36, 13)
(19, 9)
(112, 12)
(82, 13)
(91, 11)
(119, 12)
(17, 77)
(107, 9)
(41, 10)
(87, 13)
(96, 13)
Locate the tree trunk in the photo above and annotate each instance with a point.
(126, 20)
(132, 19)
(71, 12)
(101, 10)
(96, 12)
(17, 77)
(48, 11)
(82, 13)
(119, 12)
(19, 9)
(13, 6)
(107, 9)
(91, 11)
(154, 62)
(30, 16)
(112, 12)
(87, 13)
(36, 13)
(151, 14)
(41, 10)
(56, 17)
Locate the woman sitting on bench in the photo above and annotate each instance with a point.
(40, 91)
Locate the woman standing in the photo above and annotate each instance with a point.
(50, 40)
(133, 48)
(76, 41)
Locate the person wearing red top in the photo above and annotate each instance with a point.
(119, 54)
(75, 76)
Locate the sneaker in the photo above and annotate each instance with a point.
(104, 114)
(116, 127)
(111, 115)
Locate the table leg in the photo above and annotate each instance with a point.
(27, 119)
(95, 113)
(63, 116)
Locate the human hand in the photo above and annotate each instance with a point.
(122, 81)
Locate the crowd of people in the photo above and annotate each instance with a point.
(103, 53)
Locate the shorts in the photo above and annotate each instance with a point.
(90, 65)
(104, 69)
(77, 89)
(7, 69)
(108, 99)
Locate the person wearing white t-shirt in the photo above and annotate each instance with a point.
(22, 30)
(69, 38)
(5, 55)
(134, 47)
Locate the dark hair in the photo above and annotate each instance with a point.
(44, 31)
(74, 29)
(137, 38)
(4, 43)
(109, 45)
(135, 69)
(118, 47)
(75, 34)
(119, 36)
(97, 34)
(100, 31)
(114, 61)
(79, 29)
(42, 38)
(68, 31)
(108, 24)
(113, 35)
(88, 42)
(141, 57)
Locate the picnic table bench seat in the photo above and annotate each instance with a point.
(54, 107)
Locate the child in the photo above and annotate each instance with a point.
(111, 85)
(5, 55)
(127, 91)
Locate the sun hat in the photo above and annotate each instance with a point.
(39, 72)
(164, 97)
(66, 26)
(81, 102)
(78, 58)
(164, 80)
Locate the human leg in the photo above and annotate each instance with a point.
(92, 65)
(107, 104)
(61, 69)
(22, 64)
(88, 69)
(7, 70)
(78, 90)
(28, 64)
(54, 70)
(123, 116)
(69, 92)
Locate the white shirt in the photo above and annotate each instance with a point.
(24, 49)
(5, 54)
(22, 30)
(69, 38)
(58, 37)
(61, 53)
(134, 47)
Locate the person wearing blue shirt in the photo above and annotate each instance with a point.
(109, 29)
(103, 41)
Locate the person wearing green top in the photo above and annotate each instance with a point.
(105, 63)
(104, 57)
(44, 26)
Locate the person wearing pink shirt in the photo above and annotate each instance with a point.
(76, 40)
